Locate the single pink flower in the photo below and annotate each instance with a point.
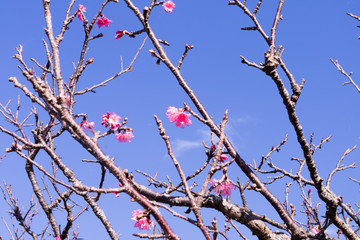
(168, 6)
(143, 222)
(223, 188)
(178, 116)
(228, 186)
(124, 136)
(87, 125)
(119, 34)
(218, 188)
(58, 238)
(81, 9)
(103, 22)
(359, 37)
(113, 120)
(223, 158)
(172, 113)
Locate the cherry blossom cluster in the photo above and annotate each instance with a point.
(124, 136)
(179, 117)
(113, 122)
(142, 218)
(103, 21)
(87, 125)
(223, 188)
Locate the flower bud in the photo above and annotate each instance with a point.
(212, 148)
(152, 52)
(207, 152)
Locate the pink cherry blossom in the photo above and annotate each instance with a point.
(87, 125)
(228, 186)
(81, 9)
(223, 158)
(218, 188)
(113, 120)
(58, 238)
(172, 113)
(168, 6)
(124, 136)
(178, 116)
(143, 222)
(119, 34)
(103, 22)
(223, 188)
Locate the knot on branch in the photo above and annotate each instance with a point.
(272, 58)
(299, 234)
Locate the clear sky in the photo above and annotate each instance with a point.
(311, 32)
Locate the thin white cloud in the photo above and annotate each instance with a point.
(180, 146)
(247, 119)
(234, 128)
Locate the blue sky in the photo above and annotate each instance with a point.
(311, 32)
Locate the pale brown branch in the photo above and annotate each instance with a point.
(353, 16)
(194, 202)
(187, 48)
(348, 75)
(340, 167)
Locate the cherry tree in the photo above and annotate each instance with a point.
(213, 198)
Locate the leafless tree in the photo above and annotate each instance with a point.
(57, 186)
